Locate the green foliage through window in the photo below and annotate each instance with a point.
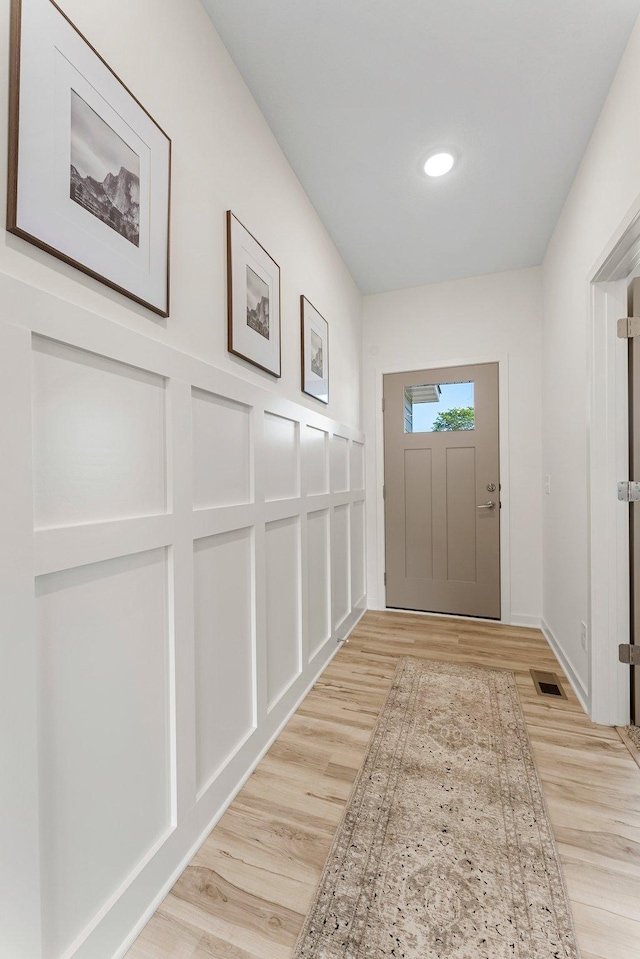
(458, 418)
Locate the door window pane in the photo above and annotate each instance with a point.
(439, 407)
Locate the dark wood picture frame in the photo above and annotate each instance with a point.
(241, 245)
(308, 318)
(13, 212)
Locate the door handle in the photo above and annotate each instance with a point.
(489, 505)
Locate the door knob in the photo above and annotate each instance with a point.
(489, 505)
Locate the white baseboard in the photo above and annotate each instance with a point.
(576, 683)
(522, 621)
(353, 619)
(529, 622)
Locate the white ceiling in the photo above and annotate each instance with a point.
(359, 92)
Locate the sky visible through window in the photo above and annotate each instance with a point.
(453, 396)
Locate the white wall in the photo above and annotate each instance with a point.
(224, 157)
(604, 197)
(182, 535)
(485, 318)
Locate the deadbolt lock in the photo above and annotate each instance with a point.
(491, 487)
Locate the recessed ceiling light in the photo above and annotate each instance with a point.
(438, 164)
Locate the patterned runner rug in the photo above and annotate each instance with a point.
(445, 850)
(630, 736)
(633, 732)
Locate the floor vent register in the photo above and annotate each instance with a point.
(547, 684)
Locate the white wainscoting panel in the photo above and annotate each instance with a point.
(281, 466)
(341, 578)
(283, 606)
(93, 459)
(357, 552)
(225, 648)
(318, 580)
(339, 464)
(187, 552)
(105, 777)
(315, 459)
(221, 451)
(357, 465)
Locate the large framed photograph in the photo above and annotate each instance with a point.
(253, 297)
(89, 168)
(314, 331)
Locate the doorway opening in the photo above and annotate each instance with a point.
(607, 697)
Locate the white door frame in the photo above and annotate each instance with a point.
(608, 439)
(434, 363)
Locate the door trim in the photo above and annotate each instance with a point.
(608, 451)
(377, 600)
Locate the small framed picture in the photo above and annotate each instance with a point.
(315, 351)
(89, 168)
(253, 299)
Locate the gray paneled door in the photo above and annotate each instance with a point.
(442, 490)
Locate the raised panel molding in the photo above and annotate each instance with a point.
(357, 465)
(358, 558)
(105, 728)
(280, 457)
(191, 554)
(318, 581)
(315, 461)
(93, 460)
(221, 451)
(340, 578)
(339, 463)
(283, 622)
(225, 649)
(418, 534)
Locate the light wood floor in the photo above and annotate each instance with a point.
(245, 894)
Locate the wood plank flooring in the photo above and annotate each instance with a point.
(246, 892)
